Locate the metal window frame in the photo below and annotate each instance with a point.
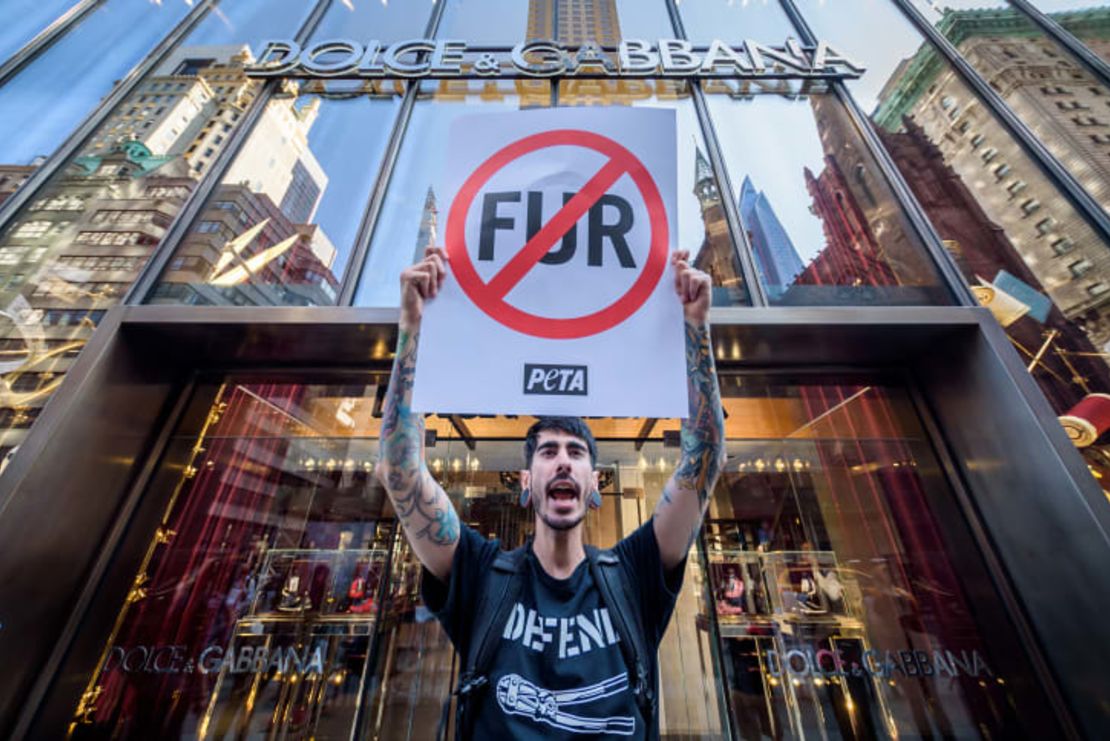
(1058, 175)
(11, 207)
(1094, 63)
(147, 278)
(739, 236)
(352, 274)
(45, 38)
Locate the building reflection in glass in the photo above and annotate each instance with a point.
(78, 246)
(411, 204)
(822, 222)
(75, 250)
(1084, 19)
(280, 227)
(1024, 250)
(1056, 97)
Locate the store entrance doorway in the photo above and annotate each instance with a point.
(273, 595)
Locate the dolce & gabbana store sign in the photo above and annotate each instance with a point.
(416, 58)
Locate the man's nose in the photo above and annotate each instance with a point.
(562, 461)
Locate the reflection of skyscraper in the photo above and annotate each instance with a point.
(776, 258)
(980, 248)
(246, 250)
(300, 200)
(187, 108)
(80, 245)
(13, 176)
(1061, 103)
(73, 256)
(574, 22)
(277, 160)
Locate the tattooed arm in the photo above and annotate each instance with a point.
(685, 497)
(429, 519)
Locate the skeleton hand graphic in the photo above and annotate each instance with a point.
(517, 696)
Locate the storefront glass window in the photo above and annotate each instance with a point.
(24, 19)
(823, 224)
(46, 100)
(383, 22)
(280, 227)
(409, 216)
(848, 599)
(75, 249)
(277, 597)
(505, 22)
(1085, 19)
(1005, 224)
(762, 21)
(1056, 97)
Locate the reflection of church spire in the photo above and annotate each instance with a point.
(426, 234)
(776, 258)
(715, 255)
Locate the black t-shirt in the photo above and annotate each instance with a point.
(557, 671)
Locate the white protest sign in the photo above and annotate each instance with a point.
(560, 296)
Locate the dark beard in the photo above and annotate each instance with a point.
(562, 526)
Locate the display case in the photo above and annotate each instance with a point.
(810, 586)
(298, 659)
(792, 639)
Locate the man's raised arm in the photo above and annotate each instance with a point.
(685, 497)
(430, 521)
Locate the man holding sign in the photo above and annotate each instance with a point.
(555, 639)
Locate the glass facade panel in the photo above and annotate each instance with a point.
(845, 601)
(49, 97)
(1064, 104)
(1005, 224)
(74, 251)
(409, 215)
(824, 227)
(382, 22)
(1087, 20)
(25, 19)
(570, 22)
(276, 596)
(762, 21)
(280, 227)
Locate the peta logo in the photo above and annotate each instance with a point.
(555, 380)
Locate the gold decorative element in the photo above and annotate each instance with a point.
(86, 706)
(138, 589)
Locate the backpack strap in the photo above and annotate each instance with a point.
(616, 592)
(502, 586)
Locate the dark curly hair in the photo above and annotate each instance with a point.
(570, 425)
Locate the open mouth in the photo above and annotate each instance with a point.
(562, 491)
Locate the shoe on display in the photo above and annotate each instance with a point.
(365, 607)
(291, 600)
(809, 602)
(830, 585)
(357, 589)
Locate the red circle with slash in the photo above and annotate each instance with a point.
(490, 296)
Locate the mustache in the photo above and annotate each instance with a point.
(563, 479)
